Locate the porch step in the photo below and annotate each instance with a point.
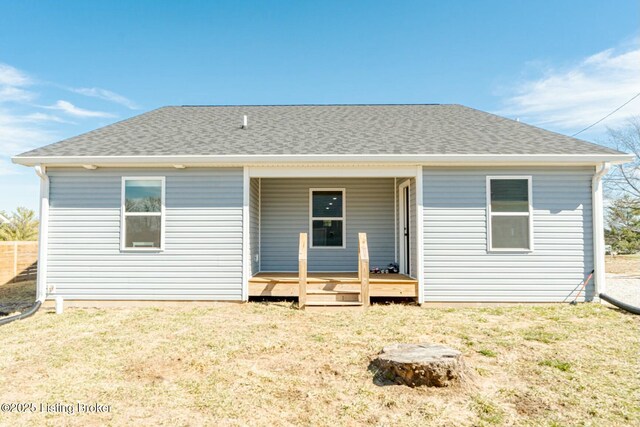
(334, 308)
(334, 286)
(320, 295)
(333, 305)
(332, 291)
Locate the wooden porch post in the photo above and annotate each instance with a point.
(363, 268)
(302, 271)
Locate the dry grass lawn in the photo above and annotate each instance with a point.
(269, 364)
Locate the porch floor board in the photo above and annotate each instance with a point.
(286, 284)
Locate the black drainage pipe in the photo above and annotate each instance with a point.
(30, 312)
(628, 307)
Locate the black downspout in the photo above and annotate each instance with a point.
(628, 307)
(30, 312)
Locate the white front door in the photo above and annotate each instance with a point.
(404, 228)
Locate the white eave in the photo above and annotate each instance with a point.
(301, 159)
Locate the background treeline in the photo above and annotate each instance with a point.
(623, 192)
(20, 225)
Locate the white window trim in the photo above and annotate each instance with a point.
(124, 214)
(490, 214)
(343, 218)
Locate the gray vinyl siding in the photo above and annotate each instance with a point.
(202, 259)
(457, 266)
(285, 214)
(254, 226)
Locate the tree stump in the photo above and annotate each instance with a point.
(431, 365)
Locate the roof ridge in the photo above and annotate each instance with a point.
(306, 105)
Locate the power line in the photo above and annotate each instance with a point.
(611, 113)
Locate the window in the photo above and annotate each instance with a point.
(509, 213)
(142, 226)
(327, 207)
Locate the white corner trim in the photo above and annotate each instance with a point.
(598, 228)
(419, 234)
(43, 237)
(246, 229)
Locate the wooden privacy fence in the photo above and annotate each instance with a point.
(18, 261)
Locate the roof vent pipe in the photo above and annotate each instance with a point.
(244, 122)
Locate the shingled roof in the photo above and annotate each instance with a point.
(317, 129)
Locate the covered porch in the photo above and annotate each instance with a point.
(333, 207)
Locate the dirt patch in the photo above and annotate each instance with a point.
(623, 264)
(528, 405)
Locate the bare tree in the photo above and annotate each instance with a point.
(625, 179)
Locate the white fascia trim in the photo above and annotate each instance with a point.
(425, 159)
(43, 238)
(335, 171)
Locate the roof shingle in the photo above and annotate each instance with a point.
(317, 129)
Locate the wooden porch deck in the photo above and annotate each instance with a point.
(286, 284)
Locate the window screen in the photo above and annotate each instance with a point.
(142, 213)
(509, 213)
(327, 218)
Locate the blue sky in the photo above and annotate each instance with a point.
(67, 67)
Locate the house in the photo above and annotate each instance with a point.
(230, 202)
